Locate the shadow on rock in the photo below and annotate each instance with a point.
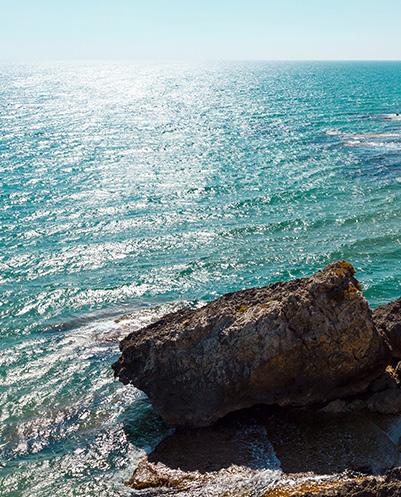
(206, 450)
(263, 448)
(330, 443)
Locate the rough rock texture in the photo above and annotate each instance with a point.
(216, 459)
(382, 397)
(258, 449)
(386, 402)
(388, 380)
(382, 486)
(297, 343)
(387, 319)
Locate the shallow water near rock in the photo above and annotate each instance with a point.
(132, 189)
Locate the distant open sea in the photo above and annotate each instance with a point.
(132, 189)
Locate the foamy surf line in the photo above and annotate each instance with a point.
(387, 140)
(372, 144)
(118, 317)
(391, 117)
(361, 136)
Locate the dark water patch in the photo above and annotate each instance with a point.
(142, 426)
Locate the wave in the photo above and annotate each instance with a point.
(389, 140)
(333, 132)
(373, 144)
(108, 318)
(80, 412)
(391, 117)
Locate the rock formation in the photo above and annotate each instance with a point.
(268, 452)
(388, 485)
(382, 397)
(387, 319)
(297, 343)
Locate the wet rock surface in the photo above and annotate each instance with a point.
(296, 343)
(260, 452)
(208, 460)
(320, 371)
(388, 485)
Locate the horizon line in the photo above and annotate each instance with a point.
(184, 60)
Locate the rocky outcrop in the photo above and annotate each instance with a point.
(268, 453)
(387, 319)
(382, 397)
(388, 485)
(214, 459)
(296, 343)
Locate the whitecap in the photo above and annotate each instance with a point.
(333, 132)
(391, 117)
(373, 144)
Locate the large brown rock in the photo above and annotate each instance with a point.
(387, 319)
(296, 343)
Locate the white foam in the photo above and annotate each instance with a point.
(373, 144)
(392, 117)
(333, 132)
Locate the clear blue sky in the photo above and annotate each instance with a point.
(200, 29)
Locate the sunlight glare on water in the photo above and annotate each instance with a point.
(137, 188)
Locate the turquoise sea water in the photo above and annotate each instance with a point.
(135, 188)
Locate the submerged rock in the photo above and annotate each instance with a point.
(387, 319)
(296, 343)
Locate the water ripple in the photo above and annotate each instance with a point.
(127, 187)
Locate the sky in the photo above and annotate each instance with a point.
(36, 30)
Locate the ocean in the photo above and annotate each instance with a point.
(128, 190)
